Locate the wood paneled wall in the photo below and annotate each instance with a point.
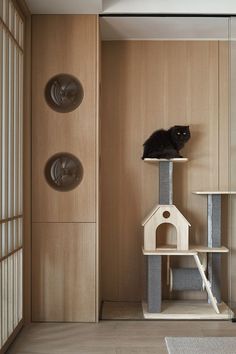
(148, 85)
(64, 233)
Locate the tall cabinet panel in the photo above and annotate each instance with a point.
(64, 167)
(64, 45)
(63, 285)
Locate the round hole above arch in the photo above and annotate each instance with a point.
(166, 214)
(63, 172)
(64, 93)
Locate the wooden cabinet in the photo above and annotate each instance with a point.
(64, 272)
(64, 232)
(64, 44)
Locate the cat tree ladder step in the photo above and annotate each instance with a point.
(207, 284)
(214, 236)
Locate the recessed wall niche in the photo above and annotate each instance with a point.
(63, 172)
(64, 93)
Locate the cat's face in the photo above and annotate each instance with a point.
(181, 133)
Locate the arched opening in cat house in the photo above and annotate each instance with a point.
(166, 236)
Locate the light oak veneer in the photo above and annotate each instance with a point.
(64, 44)
(148, 85)
(65, 224)
(63, 272)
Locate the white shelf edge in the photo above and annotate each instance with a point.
(168, 251)
(183, 159)
(213, 192)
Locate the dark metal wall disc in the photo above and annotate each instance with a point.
(64, 93)
(63, 172)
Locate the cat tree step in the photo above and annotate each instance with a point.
(213, 192)
(207, 283)
(167, 250)
(188, 310)
(182, 159)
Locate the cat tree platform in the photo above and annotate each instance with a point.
(182, 159)
(214, 192)
(188, 310)
(171, 251)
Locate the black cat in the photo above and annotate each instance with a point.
(166, 144)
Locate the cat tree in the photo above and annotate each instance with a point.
(206, 258)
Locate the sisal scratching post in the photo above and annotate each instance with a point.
(154, 284)
(166, 182)
(154, 292)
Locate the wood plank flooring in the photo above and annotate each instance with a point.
(112, 337)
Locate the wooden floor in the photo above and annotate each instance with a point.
(112, 337)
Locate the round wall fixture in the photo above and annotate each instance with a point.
(64, 93)
(63, 172)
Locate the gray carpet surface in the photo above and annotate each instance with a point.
(201, 345)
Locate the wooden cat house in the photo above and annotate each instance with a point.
(165, 214)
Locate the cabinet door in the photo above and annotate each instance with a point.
(63, 272)
(65, 45)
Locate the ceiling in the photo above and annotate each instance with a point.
(65, 6)
(166, 28)
(132, 6)
(170, 6)
(127, 28)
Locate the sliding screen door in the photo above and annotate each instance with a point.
(11, 138)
